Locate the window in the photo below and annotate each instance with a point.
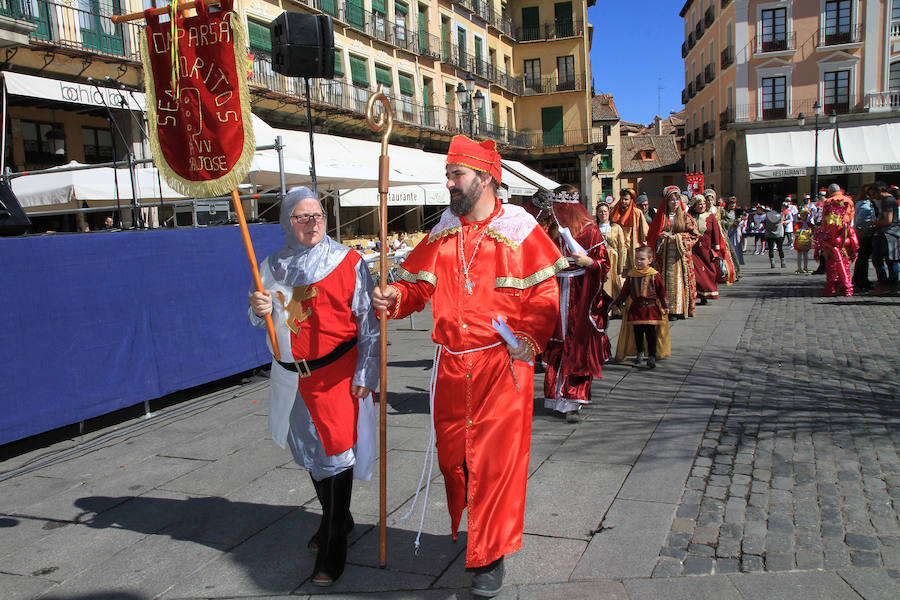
(562, 13)
(895, 10)
(407, 91)
(38, 141)
(533, 74)
(463, 57)
(333, 90)
(552, 125)
(565, 69)
(258, 36)
(384, 77)
(355, 14)
(773, 31)
(445, 39)
(359, 75)
(401, 10)
(98, 146)
(531, 24)
(894, 79)
(379, 16)
(427, 102)
(837, 92)
(837, 22)
(479, 56)
(605, 160)
(423, 28)
(774, 98)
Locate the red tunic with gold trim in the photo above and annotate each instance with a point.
(472, 272)
(706, 253)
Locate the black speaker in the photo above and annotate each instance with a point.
(303, 45)
(13, 220)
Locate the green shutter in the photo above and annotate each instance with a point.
(355, 14)
(406, 84)
(338, 63)
(258, 34)
(359, 72)
(378, 6)
(552, 125)
(383, 75)
(399, 7)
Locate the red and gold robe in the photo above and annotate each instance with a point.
(706, 254)
(483, 403)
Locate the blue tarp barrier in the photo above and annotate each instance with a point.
(98, 322)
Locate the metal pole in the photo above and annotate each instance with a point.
(312, 154)
(816, 163)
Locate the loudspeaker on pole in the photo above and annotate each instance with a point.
(303, 45)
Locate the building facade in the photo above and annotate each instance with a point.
(513, 71)
(754, 68)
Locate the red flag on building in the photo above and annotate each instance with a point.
(198, 105)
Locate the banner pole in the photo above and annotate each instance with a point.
(162, 10)
(384, 122)
(251, 255)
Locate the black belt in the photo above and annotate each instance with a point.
(305, 367)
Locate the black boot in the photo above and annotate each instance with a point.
(334, 494)
(349, 524)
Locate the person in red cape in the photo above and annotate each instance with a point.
(836, 241)
(318, 292)
(482, 262)
(579, 346)
(633, 224)
(673, 234)
(707, 252)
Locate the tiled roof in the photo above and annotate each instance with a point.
(665, 154)
(603, 108)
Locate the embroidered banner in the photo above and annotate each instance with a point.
(198, 105)
(694, 184)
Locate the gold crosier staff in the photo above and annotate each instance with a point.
(384, 122)
(235, 198)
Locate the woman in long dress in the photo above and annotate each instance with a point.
(627, 216)
(578, 348)
(615, 249)
(673, 234)
(707, 251)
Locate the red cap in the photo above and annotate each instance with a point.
(469, 153)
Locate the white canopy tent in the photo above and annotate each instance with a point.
(529, 175)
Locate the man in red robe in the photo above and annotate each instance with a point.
(483, 261)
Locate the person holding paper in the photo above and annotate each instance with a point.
(483, 260)
(319, 295)
(579, 346)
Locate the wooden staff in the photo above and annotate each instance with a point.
(162, 10)
(251, 256)
(384, 122)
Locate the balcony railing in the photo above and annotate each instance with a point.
(778, 43)
(574, 82)
(684, 49)
(699, 82)
(725, 3)
(726, 117)
(690, 90)
(691, 40)
(883, 101)
(727, 57)
(567, 137)
(765, 112)
(710, 16)
(452, 54)
(550, 31)
(707, 131)
(501, 22)
(709, 73)
(689, 140)
(62, 26)
(832, 36)
(378, 26)
(684, 96)
(698, 30)
(895, 29)
(696, 135)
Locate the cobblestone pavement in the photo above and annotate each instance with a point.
(798, 468)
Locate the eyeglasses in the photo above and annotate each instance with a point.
(307, 219)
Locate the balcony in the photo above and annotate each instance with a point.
(684, 49)
(775, 43)
(697, 135)
(690, 90)
(684, 96)
(574, 82)
(691, 41)
(726, 117)
(895, 29)
(501, 22)
(567, 137)
(429, 45)
(725, 3)
(698, 30)
(883, 101)
(79, 32)
(709, 17)
(768, 111)
(516, 85)
(727, 57)
(689, 141)
(834, 36)
(707, 131)
(709, 73)
(17, 21)
(699, 82)
(551, 31)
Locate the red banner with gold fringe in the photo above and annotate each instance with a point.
(198, 105)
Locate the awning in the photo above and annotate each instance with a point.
(529, 175)
(45, 88)
(846, 148)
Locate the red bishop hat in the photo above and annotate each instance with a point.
(469, 153)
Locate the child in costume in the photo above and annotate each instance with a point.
(803, 241)
(644, 322)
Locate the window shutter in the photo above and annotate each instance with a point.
(383, 75)
(338, 63)
(358, 71)
(406, 84)
(378, 6)
(258, 35)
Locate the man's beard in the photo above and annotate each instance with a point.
(463, 201)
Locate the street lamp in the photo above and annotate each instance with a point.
(801, 120)
(464, 93)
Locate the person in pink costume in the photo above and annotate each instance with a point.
(836, 241)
